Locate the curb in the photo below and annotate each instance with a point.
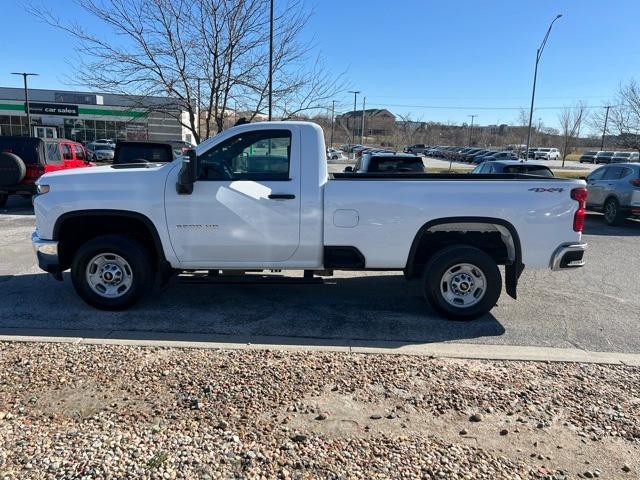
(298, 344)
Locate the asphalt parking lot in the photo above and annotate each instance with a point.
(595, 308)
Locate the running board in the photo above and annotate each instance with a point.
(214, 277)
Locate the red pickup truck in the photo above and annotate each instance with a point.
(25, 159)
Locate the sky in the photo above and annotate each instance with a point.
(433, 60)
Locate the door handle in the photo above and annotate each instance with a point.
(282, 196)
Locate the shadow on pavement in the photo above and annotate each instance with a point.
(17, 205)
(366, 309)
(595, 225)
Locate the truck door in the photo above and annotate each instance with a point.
(245, 205)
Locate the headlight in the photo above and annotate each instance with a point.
(42, 189)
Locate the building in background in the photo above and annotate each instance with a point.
(377, 121)
(85, 117)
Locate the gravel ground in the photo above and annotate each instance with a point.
(78, 411)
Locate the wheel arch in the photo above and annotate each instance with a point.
(458, 226)
(105, 221)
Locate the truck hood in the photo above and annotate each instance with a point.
(113, 172)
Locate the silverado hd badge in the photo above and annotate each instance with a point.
(206, 225)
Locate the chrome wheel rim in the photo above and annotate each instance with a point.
(610, 211)
(109, 275)
(463, 285)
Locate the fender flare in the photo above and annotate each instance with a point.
(513, 269)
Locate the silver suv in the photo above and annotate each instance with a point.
(615, 191)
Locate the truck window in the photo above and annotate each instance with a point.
(257, 155)
(79, 152)
(66, 152)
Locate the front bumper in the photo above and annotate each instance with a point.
(568, 255)
(47, 254)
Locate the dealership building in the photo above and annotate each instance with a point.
(85, 117)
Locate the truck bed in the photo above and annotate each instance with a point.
(440, 176)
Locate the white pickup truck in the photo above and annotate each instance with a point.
(258, 196)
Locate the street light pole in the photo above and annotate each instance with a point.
(26, 97)
(333, 113)
(364, 104)
(535, 78)
(604, 130)
(355, 105)
(270, 59)
(471, 127)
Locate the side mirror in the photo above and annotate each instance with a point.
(348, 169)
(188, 174)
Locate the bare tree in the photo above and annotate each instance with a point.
(624, 116)
(571, 120)
(208, 55)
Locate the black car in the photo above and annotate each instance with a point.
(588, 157)
(418, 149)
(604, 157)
(514, 166)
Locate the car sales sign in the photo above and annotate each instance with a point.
(53, 109)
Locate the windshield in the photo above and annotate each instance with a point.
(622, 154)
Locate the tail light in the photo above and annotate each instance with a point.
(636, 182)
(580, 196)
(32, 173)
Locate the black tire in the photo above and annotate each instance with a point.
(449, 257)
(3, 199)
(612, 212)
(12, 169)
(138, 259)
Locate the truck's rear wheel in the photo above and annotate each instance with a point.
(111, 272)
(462, 282)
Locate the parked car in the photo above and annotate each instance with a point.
(335, 154)
(470, 158)
(604, 157)
(100, 152)
(24, 159)
(388, 163)
(418, 149)
(514, 166)
(588, 157)
(469, 154)
(615, 191)
(482, 158)
(547, 154)
(230, 206)
(105, 141)
(128, 152)
(532, 153)
(491, 156)
(624, 157)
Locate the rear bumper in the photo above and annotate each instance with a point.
(47, 254)
(568, 255)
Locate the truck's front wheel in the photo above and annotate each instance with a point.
(462, 282)
(111, 272)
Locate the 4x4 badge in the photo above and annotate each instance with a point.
(542, 190)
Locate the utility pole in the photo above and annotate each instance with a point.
(26, 97)
(355, 105)
(604, 130)
(471, 127)
(364, 103)
(270, 60)
(198, 109)
(535, 78)
(333, 113)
